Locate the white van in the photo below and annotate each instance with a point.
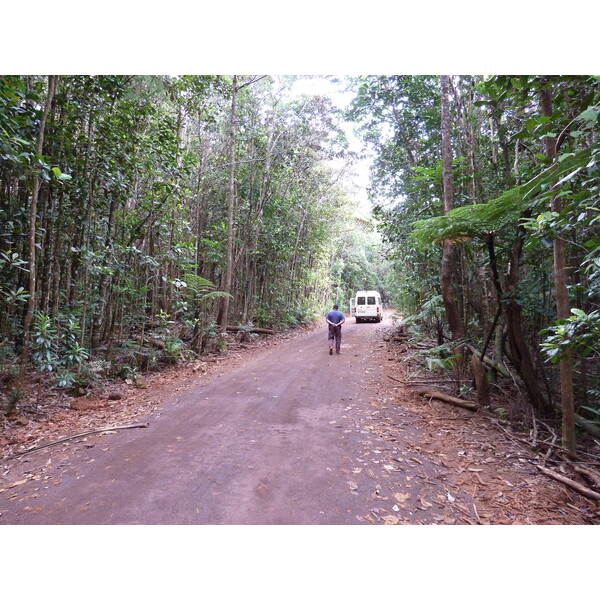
(366, 306)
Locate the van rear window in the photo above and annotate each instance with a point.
(361, 300)
(371, 300)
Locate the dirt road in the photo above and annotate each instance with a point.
(291, 435)
(273, 441)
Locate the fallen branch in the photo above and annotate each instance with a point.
(508, 433)
(551, 444)
(152, 341)
(250, 329)
(534, 433)
(423, 381)
(584, 491)
(402, 337)
(446, 398)
(72, 437)
(568, 454)
(591, 475)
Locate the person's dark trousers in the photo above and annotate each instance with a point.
(335, 337)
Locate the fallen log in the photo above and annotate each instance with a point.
(589, 428)
(446, 398)
(148, 340)
(584, 491)
(250, 329)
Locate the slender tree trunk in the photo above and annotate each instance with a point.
(31, 303)
(44, 261)
(452, 311)
(100, 316)
(520, 355)
(562, 299)
(56, 260)
(224, 304)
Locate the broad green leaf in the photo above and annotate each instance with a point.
(591, 114)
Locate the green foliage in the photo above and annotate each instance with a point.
(45, 343)
(200, 290)
(594, 412)
(578, 335)
(478, 220)
(175, 350)
(440, 358)
(9, 296)
(162, 193)
(501, 413)
(504, 186)
(357, 262)
(475, 220)
(56, 349)
(428, 319)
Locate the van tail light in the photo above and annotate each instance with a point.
(378, 310)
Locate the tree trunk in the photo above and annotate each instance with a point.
(451, 306)
(31, 303)
(226, 287)
(100, 316)
(231, 259)
(520, 356)
(562, 299)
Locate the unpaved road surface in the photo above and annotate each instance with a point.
(270, 442)
(292, 435)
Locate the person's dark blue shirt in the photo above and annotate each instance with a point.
(335, 316)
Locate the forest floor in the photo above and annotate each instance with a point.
(276, 431)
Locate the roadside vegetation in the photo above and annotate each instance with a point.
(487, 195)
(143, 216)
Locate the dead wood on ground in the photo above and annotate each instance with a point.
(250, 329)
(72, 437)
(446, 398)
(152, 341)
(584, 491)
(590, 474)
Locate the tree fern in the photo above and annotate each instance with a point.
(477, 220)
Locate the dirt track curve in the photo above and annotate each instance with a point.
(290, 435)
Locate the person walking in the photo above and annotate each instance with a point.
(335, 319)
